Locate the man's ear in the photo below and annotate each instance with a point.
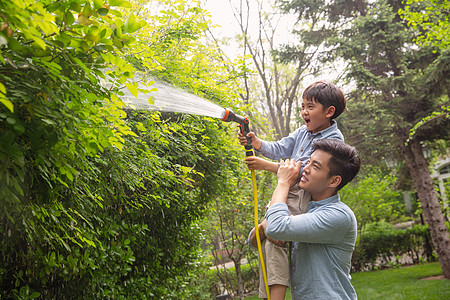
(335, 181)
(330, 111)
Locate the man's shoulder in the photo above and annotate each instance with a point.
(339, 209)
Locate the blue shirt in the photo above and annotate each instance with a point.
(298, 144)
(323, 240)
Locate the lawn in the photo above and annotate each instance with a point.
(403, 283)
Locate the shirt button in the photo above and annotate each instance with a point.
(295, 287)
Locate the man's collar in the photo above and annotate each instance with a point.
(333, 199)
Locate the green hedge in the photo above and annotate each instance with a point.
(381, 245)
(214, 282)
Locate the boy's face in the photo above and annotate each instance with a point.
(315, 177)
(316, 117)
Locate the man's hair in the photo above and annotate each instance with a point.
(326, 94)
(344, 159)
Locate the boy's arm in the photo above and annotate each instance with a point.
(257, 163)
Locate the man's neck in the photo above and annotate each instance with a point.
(324, 195)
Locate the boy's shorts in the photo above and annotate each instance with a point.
(277, 266)
(276, 257)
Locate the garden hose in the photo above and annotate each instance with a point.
(258, 240)
(229, 116)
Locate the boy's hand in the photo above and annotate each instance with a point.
(255, 163)
(256, 142)
(262, 227)
(288, 171)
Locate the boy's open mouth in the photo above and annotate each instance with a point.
(307, 121)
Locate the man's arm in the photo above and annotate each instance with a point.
(327, 225)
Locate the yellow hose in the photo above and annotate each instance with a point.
(258, 240)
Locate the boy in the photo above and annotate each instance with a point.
(322, 102)
(322, 239)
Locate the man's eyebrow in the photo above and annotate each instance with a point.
(316, 162)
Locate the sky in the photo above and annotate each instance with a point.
(222, 15)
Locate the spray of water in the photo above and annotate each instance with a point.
(171, 99)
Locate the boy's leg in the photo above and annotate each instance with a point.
(278, 292)
(297, 200)
(277, 270)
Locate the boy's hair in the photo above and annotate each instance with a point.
(326, 94)
(344, 160)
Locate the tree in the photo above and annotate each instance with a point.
(276, 91)
(372, 198)
(396, 85)
(231, 222)
(232, 218)
(431, 19)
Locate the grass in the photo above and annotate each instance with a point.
(402, 283)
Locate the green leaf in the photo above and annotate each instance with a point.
(39, 42)
(98, 4)
(9, 105)
(120, 3)
(115, 2)
(102, 11)
(69, 18)
(131, 25)
(11, 121)
(75, 6)
(132, 88)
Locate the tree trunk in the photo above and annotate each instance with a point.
(237, 265)
(432, 211)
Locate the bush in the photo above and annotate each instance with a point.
(381, 245)
(219, 286)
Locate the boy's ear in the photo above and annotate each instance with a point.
(335, 181)
(330, 111)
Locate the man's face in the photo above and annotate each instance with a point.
(315, 178)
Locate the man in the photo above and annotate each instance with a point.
(322, 239)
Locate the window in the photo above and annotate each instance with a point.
(444, 170)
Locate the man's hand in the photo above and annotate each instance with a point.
(288, 172)
(287, 176)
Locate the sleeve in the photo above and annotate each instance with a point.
(323, 226)
(282, 148)
(249, 241)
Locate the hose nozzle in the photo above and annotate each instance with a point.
(230, 116)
